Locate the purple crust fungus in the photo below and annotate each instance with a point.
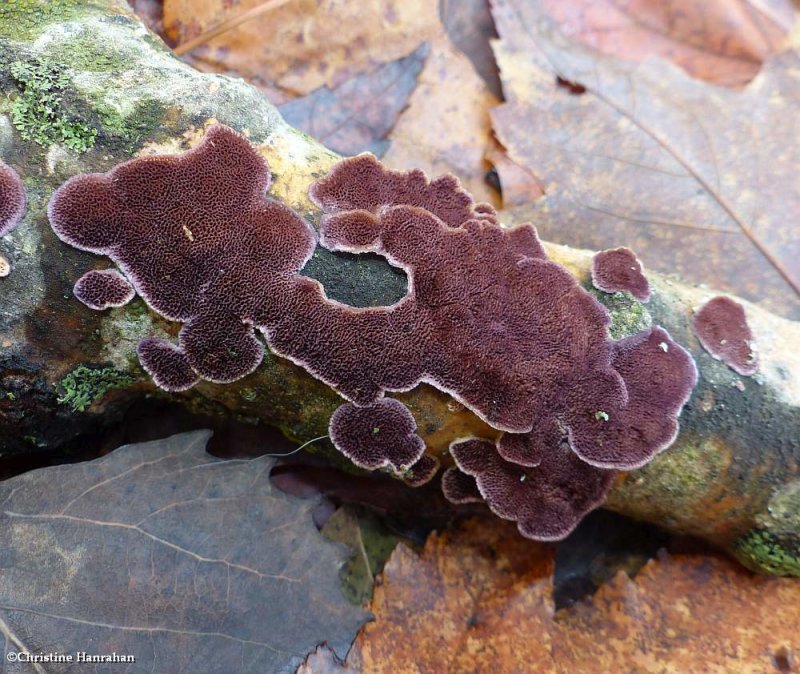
(721, 326)
(618, 269)
(488, 318)
(547, 501)
(12, 198)
(363, 186)
(422, 472)
(167, 364)
(200, 242)
(103, 289)
(380, 435)
(459, 487)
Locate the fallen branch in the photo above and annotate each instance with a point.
(114, 91)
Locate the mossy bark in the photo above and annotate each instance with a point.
(731, 477)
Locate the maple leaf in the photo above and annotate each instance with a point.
(699, 180)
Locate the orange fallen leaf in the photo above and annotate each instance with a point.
(699, 180)
(479, 599)
(721, 41)
(301, 45)
(687, 614)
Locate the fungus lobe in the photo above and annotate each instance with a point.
(199, 241)
(102, 289)
(12, 198)
(547, 501)
(380, 435)
(721, 326)
(619, 270)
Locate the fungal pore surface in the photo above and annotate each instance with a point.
(721, 326)
(488, 319)
(619, 270)
(12, 198)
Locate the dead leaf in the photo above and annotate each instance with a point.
(163, 552)
(371, 544)
(470, 27)
(479, 599)
(698, 180)
(305, 44)
(357, 115)
(446, 127)
(684, 615)
(720, 41)
(517, 185)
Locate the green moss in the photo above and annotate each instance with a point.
(38, 112)
(84, 385)
(24, 19)
(763, 552)
(628, 316)
(674, 482)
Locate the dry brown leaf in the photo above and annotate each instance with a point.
(721, 41)
(305, 44)
(479, 599)
(357, 115)
(463, 606)
(518, 185)
(684, 615)
(470, 27)
(699, 180)
(164, 552)
(446, 127)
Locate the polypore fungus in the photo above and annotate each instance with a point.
(721, 326)
(166, 363)
(659, 376)
(199, 242)
(363, 184)
(422, 472)
(488, 318)
(547, 501)
(103, 289)
(380, 435)
(619, 270)
(12, 198)
(459, 487)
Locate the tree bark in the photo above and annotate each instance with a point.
(731, 477)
